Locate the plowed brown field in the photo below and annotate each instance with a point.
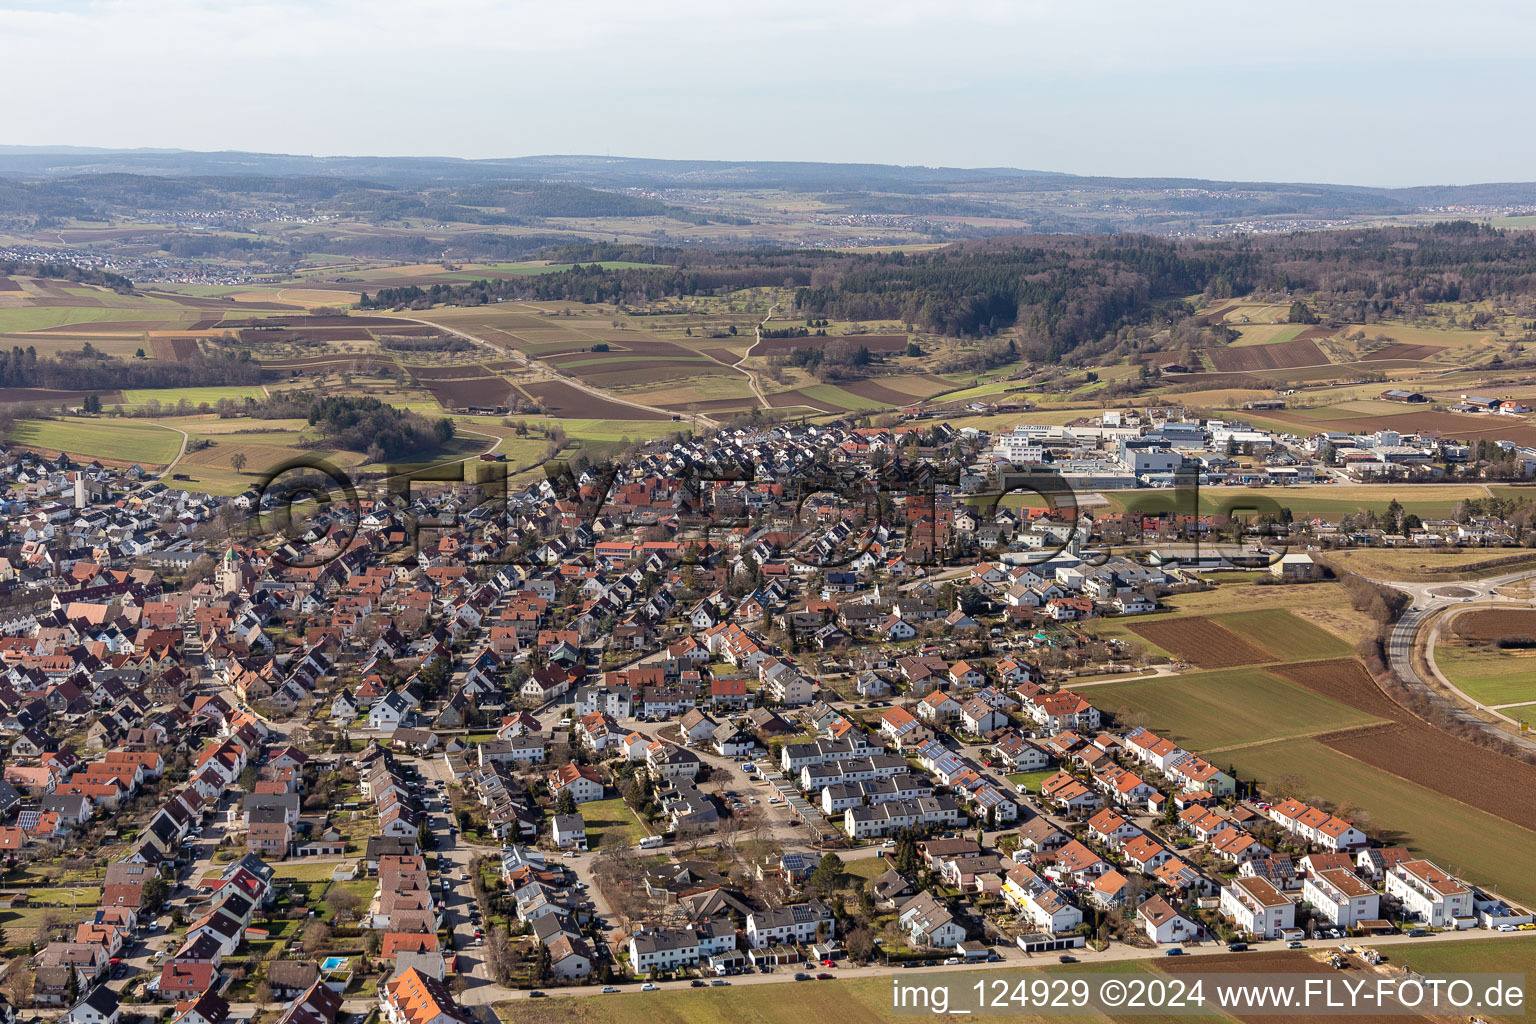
(1202, 642)
(564, 400)
(1279, 356)
(873, 342)
(173, 349)
(1491, 624)
(476, 391)
(1418, 752)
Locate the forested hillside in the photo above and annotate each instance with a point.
(1061, 292)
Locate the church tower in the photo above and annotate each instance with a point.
(230, 576)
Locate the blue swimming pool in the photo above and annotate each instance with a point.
(333, 963)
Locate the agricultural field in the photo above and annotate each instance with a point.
(1430, 565)
(1487, 674)
(1397, 810)
(1350, 745)
(1209, 712)
(1494, 623)
(1328, 501)
(472, 392)
(1366, 416)
(1415, 751)
(1522, 712)
(1323, 605)
(1274, 356)
(195, 396)
(1200, 641)
(564, 400)
(1283, 635)
(117, 441)
(868, 1000)
(1266, 334)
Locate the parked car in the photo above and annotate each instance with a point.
(719, 982)
(535, 994)
(823, 977)
(1237, 947)
(698, 983)
(1175, 951)
(1293, 944)
(609, 990)
(1067, 958)
(650, 987)
(802, 976)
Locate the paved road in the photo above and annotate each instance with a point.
(1015, 959)
(1430, 601)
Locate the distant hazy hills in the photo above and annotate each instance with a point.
(1049, 200)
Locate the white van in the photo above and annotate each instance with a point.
(650, 842)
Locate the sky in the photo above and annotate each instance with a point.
(1358, 91)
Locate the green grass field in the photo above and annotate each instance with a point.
(1434, 566)
(1525, 713)
(121, 440)
(211, 395)
(589, 429)
(611, 823)
(1284, 635)
(1324, 605)
(1266, 334)
(1487, 674)
(300, 871)
(1501, 855)
(869, 1000)
(1030, 781)
(1304, 502)
(1207, 711)
(36, 318)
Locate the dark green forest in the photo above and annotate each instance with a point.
(1062, 292)
(362, 424)
(89, 370)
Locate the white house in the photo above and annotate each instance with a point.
(978, 718)
(927, 921)
(1341, 897)
(1162, 923)
(1257, 908)
(1428, 893)
(662, 949)
(569, 831)
(798, 922)
(583, 783)
(1035, 898)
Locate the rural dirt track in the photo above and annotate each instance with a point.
(757, 389)
(185, 439)
(1413, 750)
(551, 372)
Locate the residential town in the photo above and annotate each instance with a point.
(785, 700)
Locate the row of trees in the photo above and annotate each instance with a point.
(90, 370)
